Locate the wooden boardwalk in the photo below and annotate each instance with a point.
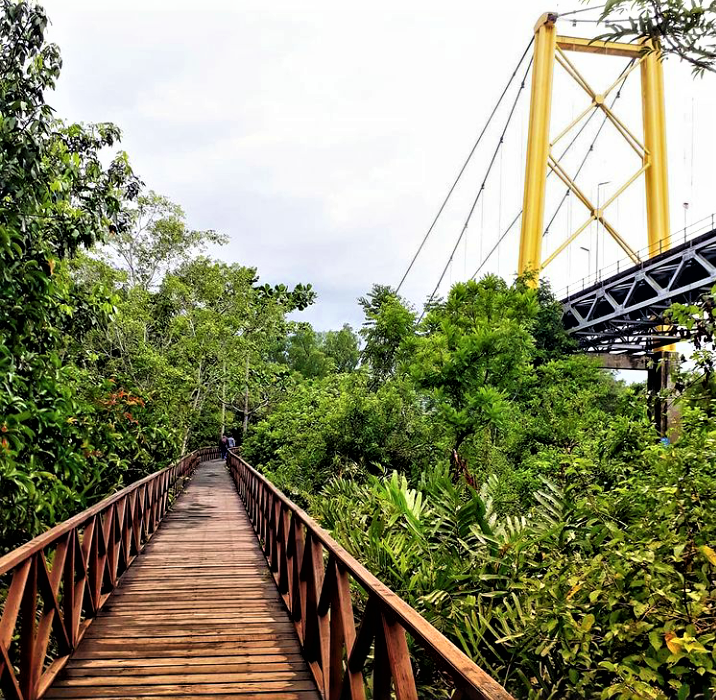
(197, 615)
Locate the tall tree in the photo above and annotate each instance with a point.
(155, 239)
(342, 347)
(56, 196)
(475, 350)
(388, 323)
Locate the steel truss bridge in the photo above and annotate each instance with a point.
(624, 313)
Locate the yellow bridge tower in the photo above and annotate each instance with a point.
(551, 48)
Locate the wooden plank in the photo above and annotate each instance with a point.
(197, 677)
(196, 615)
(190, 649)
(269, 688)
(246, 660)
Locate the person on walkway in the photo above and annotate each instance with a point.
(232, 442)
(223, 446)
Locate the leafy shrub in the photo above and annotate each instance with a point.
(597, 595)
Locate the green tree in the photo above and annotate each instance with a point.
(315, 355)
(342, 347)
(56, 196)
(551, 339)
(389, 322)
(473, 354)
(305, 353)
(340, 425)
(155, 239)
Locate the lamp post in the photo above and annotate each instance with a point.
(589, 262)
(686, 209)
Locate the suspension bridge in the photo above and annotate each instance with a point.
(203, 579)
(617, 312)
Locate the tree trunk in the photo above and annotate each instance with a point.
(223, 397)
(458, 467)
(195, 406)
(245, 425)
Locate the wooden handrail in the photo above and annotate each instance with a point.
(60, 580)
(316, 590)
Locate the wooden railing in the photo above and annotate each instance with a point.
(58, 582)
(313, 574)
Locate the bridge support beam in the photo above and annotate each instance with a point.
(655, 158)
(538, 146)
(608, 360)
(659, 381)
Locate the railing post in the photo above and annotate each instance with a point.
(399, 658)
(68, 588)
(28, 611)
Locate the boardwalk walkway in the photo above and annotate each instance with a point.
(196, 615)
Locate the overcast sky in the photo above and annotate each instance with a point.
(321, 136)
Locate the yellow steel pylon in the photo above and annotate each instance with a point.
(550, 48)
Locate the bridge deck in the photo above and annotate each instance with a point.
(196, 615)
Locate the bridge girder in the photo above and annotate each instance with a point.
(625, 313)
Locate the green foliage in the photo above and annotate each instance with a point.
(315, 355)
(551, 339)
(475, 349)
(305, 353)
(684, 29)
(339, 425)
(190, 342)
(529, 512)
(389, 322)
(155, 239)
(342, 347)
(56, 196)
(608, 594)
(114, 362)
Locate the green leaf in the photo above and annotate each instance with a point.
(588, 622)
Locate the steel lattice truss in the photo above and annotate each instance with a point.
(626, 312)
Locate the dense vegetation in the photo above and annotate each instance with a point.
(120, 345)
(514, 494)
(507, 488)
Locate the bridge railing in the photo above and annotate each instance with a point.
(313, 574)
(56, 584)
(688, 233)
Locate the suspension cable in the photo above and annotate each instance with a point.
(584, 9)
(482, 186)
(519, 214)
(562, 155)
(466, 163)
